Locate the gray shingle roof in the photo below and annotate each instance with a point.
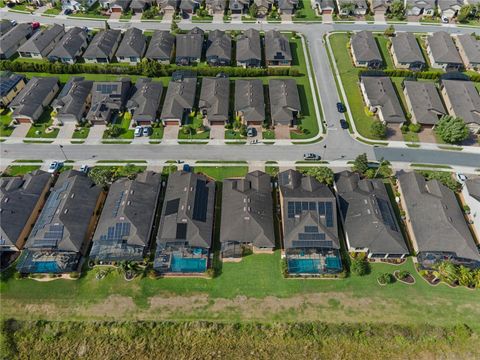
(108, 96)
(23, 194)
(369, 219)
(277, 46)
(239, 4)
(103, 44)
(214, 98)
(473, 187)
(5, 26)
(365, 47)
(161, 45)
(216, 5)
(249, 99)
(11, 40)
(435, 217)
(425, 100)
(307, 192)
(123, 4)
(74, 40)
(140, 5)
(443, 48)
(380, 92)
(180, 97)
(287, 4)
(125, 225)
(133, 44)
(188, 5)
(284, 99)
(219, 45)
(166, 3)
(66, 214)
(248, 46)
(464, 98)
(190, 45)
(471, 47)
(247, 210)
(41, 42)
(407, 49)
(145, 101)
(189, 200)
(71, 100)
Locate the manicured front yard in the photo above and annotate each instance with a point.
(222, 172)
(81, 133)
(123, 122)
(232, 134)
(18, 170)
(39, 128)
(305, 12)
(5, 120)
(52, 11)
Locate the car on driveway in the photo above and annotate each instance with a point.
(311, 156)
(343, 124)
(55, 167)
(138, 131)
(147, 131)
(461, 178)
(251, 132)
(340, 107)
(85, 168)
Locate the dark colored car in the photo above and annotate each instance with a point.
(343, 124)
(340, 107)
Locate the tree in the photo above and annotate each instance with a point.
(253, 10)
(322, 173)
(466, 277)
(360, 266)
(447, 271)
(384, 169)
(174, 27)
(386, 278)
(397, 10)
(360, 164)
(452, 129)
(389, 31)
(102, 176)
(465, 13)
(444, 177)
(379, 129)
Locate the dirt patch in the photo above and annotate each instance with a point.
(114, 305)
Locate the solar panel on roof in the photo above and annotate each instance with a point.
(329, 214)
(311, 229)
(201, 201)
(311, 236)
(181, 231)
(321, 208)
(172, 207)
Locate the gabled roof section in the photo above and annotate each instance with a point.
(5, 26)
(471, 47)
(145, 101)
(180, 96)
(427, 106)
(464, 98)
(248, 46)
(407, 49)
(133, 44)
(277, 46)
(73, 96)
(8, 81)
(381, 94)
(443, 48)
(32, 96)
(103, 44)
(214, 98)
(219, 45)
(249, 99)
(284, 99)
(190, 45)
(161, 45)
(42, 39)
(71, 43)
(365, 47)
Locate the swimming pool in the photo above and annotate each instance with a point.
(304, 266)
(333, 263)
(45, 267)
(188, 265)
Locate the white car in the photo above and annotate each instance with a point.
(85, 168)
(461, 178)
(55, 167)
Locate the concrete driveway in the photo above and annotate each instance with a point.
(217, 132)
(427, 135)
(66, 131)
(20, 131)
(96, 134)
(379, 18)
(282, 132)
(217, 18)
(170, 132)
(394, 132)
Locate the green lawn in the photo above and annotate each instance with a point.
(222, 172)
(38, 129)
(52, 11)
(81, 133)
(382, 42)
(6, 119)
(93, 12)
(231, 134)
(157, 133)
(124, 122)
(305, 12)
(18, 170)
(268, 135)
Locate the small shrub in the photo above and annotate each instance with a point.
(386, 278)
(360, 266)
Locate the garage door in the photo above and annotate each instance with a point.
(171, 122)
(22, 120)
(217, 123)
(116, 10)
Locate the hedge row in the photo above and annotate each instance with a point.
(145, 68)
(434, 75)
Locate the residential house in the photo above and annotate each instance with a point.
(73, 102)
(277, 49)
(108, 99)
(161, 47)
(435, 222)
(381, 99)
(40, 44)
(125, 226)
(188, 6)
(462, 100)
(13, 39)
(216, 7)
(324, 6)
(247, 213)
(144, 104)
(249, 101)
(132, 47)
(103, 46)
(309, 225)
(469, 50)
(75, 6)
(167, 7)
(423, 102)
(380, 7)
(365, 51)
(33, 99)
(448, 9)
(10, 85)
(287, 7)
(285, 106)
(249, 49)
(139, 6)
(179, 101)
(471, 197)
(5, 26)
(61, 235)
(219, 48)
(420, 7)
(239, 6)
(368, 217)
(21, 199)
(71, 46)
(442, 52)
(185, 231)
(189, 47)
(214, 100)
(349, 7)
(119, 6)
(406, 52)
(263, 7)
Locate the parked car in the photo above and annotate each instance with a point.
(55, 167)
(311, 156)
(147, 131)
(343, 124)
(67, 12)
(340, 107)
(251, 132)
(186, 168)
(138, 131)
(13, 22)
(35, 25)
(85, 168)
(461, 178)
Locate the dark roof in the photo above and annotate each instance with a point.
(284, 99)
(133, 44)
(5, 26)
(287, 4)
(239, 4)
(473, 187)
(249, 99)
(369, 218)
(64, 221)
(464, 98)
(443, 48)
(307, 204)
(41, 41)
(161, 45)
(277, 46)
(188, 5)
(219, 45)
(214, 98)
(145, 100)
(247, 210)
(406, 48)
(165, 3)
(108, 96)
(8, 81)
(217, 5)
(71, 43)
(103, 44)
(189, 202)
(124, 228)
(365, 47)
(13, 37)
(189, 45)
(18, 198)
(180, 96)
(123, 4)
(248, 46)
(32, 96)
(140, 4)
(471, 47)
(426, 103)
(435, 217)
(72, 98)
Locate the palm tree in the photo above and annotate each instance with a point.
(465, 276)
(476, 278)
(447, 271)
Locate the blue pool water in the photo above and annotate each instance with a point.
(333, 263)
(303, 266)
(45, 267)
(188, 265)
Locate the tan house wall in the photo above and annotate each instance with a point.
(408, 222)
(13, 92)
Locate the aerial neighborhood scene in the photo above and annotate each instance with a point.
(239, 179)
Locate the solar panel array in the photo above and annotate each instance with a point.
(117, 204)
(51, 238)
(324, 209)
(386, 213)
(172, 206)
(181, 231)
(201, 201)
(7, 83)
(329, 214)
(116, 233)
(107, 88)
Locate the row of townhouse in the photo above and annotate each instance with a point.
(58, 228)
(56, 44)
(450, 53)
(99, 102)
